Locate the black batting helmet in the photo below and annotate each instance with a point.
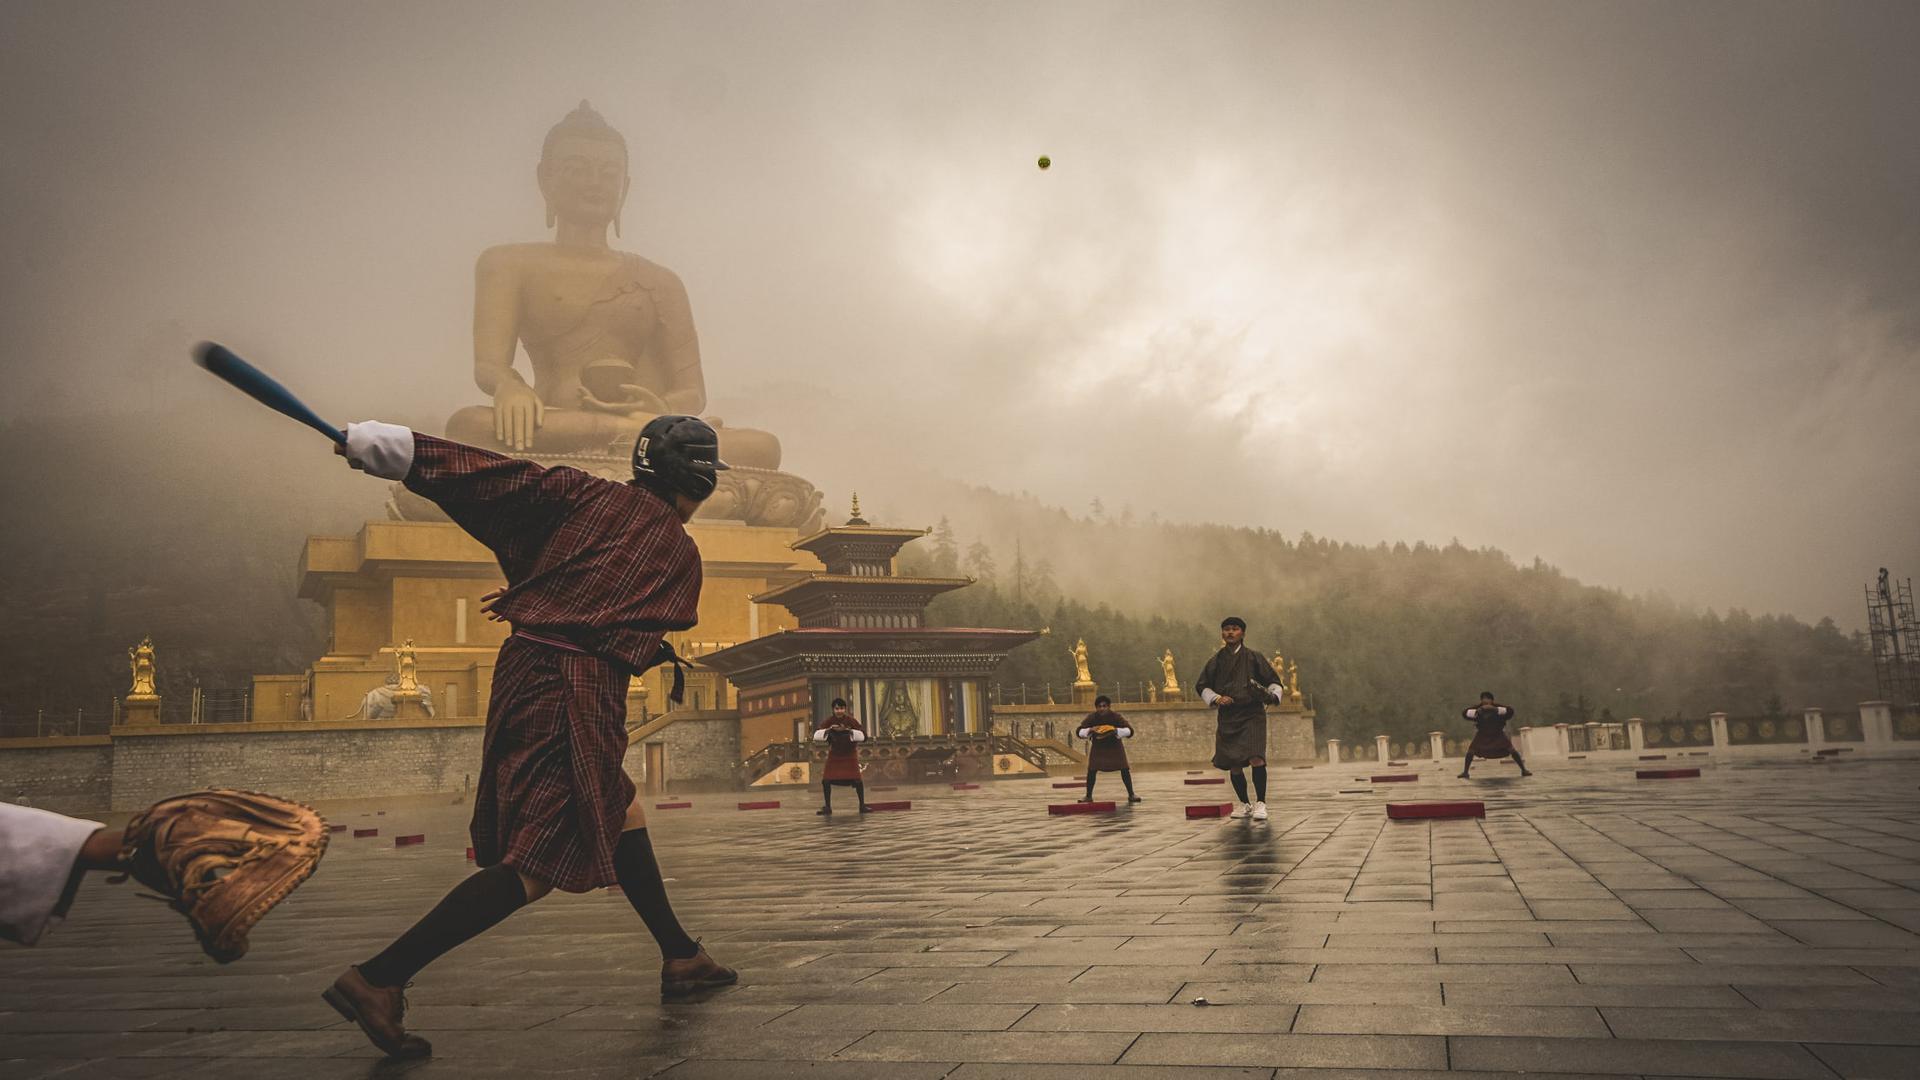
(678, 455)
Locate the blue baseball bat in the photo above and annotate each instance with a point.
(260, 386)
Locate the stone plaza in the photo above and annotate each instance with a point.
(1762, 920)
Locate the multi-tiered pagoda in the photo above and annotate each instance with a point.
(863, 636)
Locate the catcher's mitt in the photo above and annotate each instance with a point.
(224, 858)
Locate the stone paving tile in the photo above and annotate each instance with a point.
(1551, 1021)
(1783, 1025)
(1871, 1062)
(1311, 1051)
(1745, 1060)
(1765, 923)
(1251, 1019)
(1091, 1047)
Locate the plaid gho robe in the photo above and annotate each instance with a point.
(603, 566)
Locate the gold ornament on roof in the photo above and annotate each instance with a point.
(1172, 684)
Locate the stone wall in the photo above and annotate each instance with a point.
(65, 775)
(703, 750)
(300, 761)
(1170, 733)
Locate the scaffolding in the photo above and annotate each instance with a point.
(1895, 636)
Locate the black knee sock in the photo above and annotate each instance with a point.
(1260, 783)
(1468, 767)
(1090, 776)
(1239, 780)
(1517, 761)
(639, 875)
(860, 792)
(474, 905)
(1126, 777)
(826, 793)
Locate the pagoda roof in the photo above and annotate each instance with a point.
(921, 589)
(872, 533)
(852, 651)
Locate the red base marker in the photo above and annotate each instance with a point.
(774, 805)
(1081, 808)
(904, 805)
(1208, 780)
(966, 787)
(1403, 811)
(336, 828)
(889, 787)
(1209, 810)
(1653, 757)
(409, 841)
(1576, 757)
(1832, 751)
(1665, 774)
(365, 832)
(1303, 766)
(1397, 778)
(673, 806)
(469, 854)
(1194, 772)
(1068, 784)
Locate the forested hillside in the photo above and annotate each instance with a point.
(161, 524)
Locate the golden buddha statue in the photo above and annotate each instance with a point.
(609, 335)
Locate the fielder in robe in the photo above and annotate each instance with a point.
(1489, 719)
(1104, 728)
(843, 734)
(1239, 682)
(597, 573)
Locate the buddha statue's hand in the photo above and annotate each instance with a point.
(518, 412)
(638, 399)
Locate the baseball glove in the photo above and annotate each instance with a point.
(223, 858)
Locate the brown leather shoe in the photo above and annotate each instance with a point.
(379, 1011)
(696, 972)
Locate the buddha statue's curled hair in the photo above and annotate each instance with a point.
(586, 123)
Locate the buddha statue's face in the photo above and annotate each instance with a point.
(584, 179)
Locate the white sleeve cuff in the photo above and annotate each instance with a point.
(820, 735)
(383, 450)
(857, 735)
(1124, 732)
(1208, 696)
(1277, 691)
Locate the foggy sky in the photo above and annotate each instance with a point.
(1634, 288)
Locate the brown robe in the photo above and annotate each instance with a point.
(1107, 754)
(843, 752)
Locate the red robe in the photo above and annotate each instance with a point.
(843, 751)
(604, 567)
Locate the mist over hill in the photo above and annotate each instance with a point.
(161, 523)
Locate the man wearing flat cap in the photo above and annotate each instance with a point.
(1238, 682)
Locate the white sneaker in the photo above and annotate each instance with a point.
(1259, 811)
(1240, 810)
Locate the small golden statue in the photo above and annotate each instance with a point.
(1172, 684)
(140, 659)
(1082, 677)
(406, 657)
(1293, 681)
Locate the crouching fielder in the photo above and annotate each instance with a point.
(597, 573)
(222, 858)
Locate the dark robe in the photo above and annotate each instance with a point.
(1490, 737)
(843, 751)
(1107, 754)
(1241, 733)
(597, 573)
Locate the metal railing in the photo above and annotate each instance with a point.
(41, 721)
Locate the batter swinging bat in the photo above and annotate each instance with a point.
(259, 386)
